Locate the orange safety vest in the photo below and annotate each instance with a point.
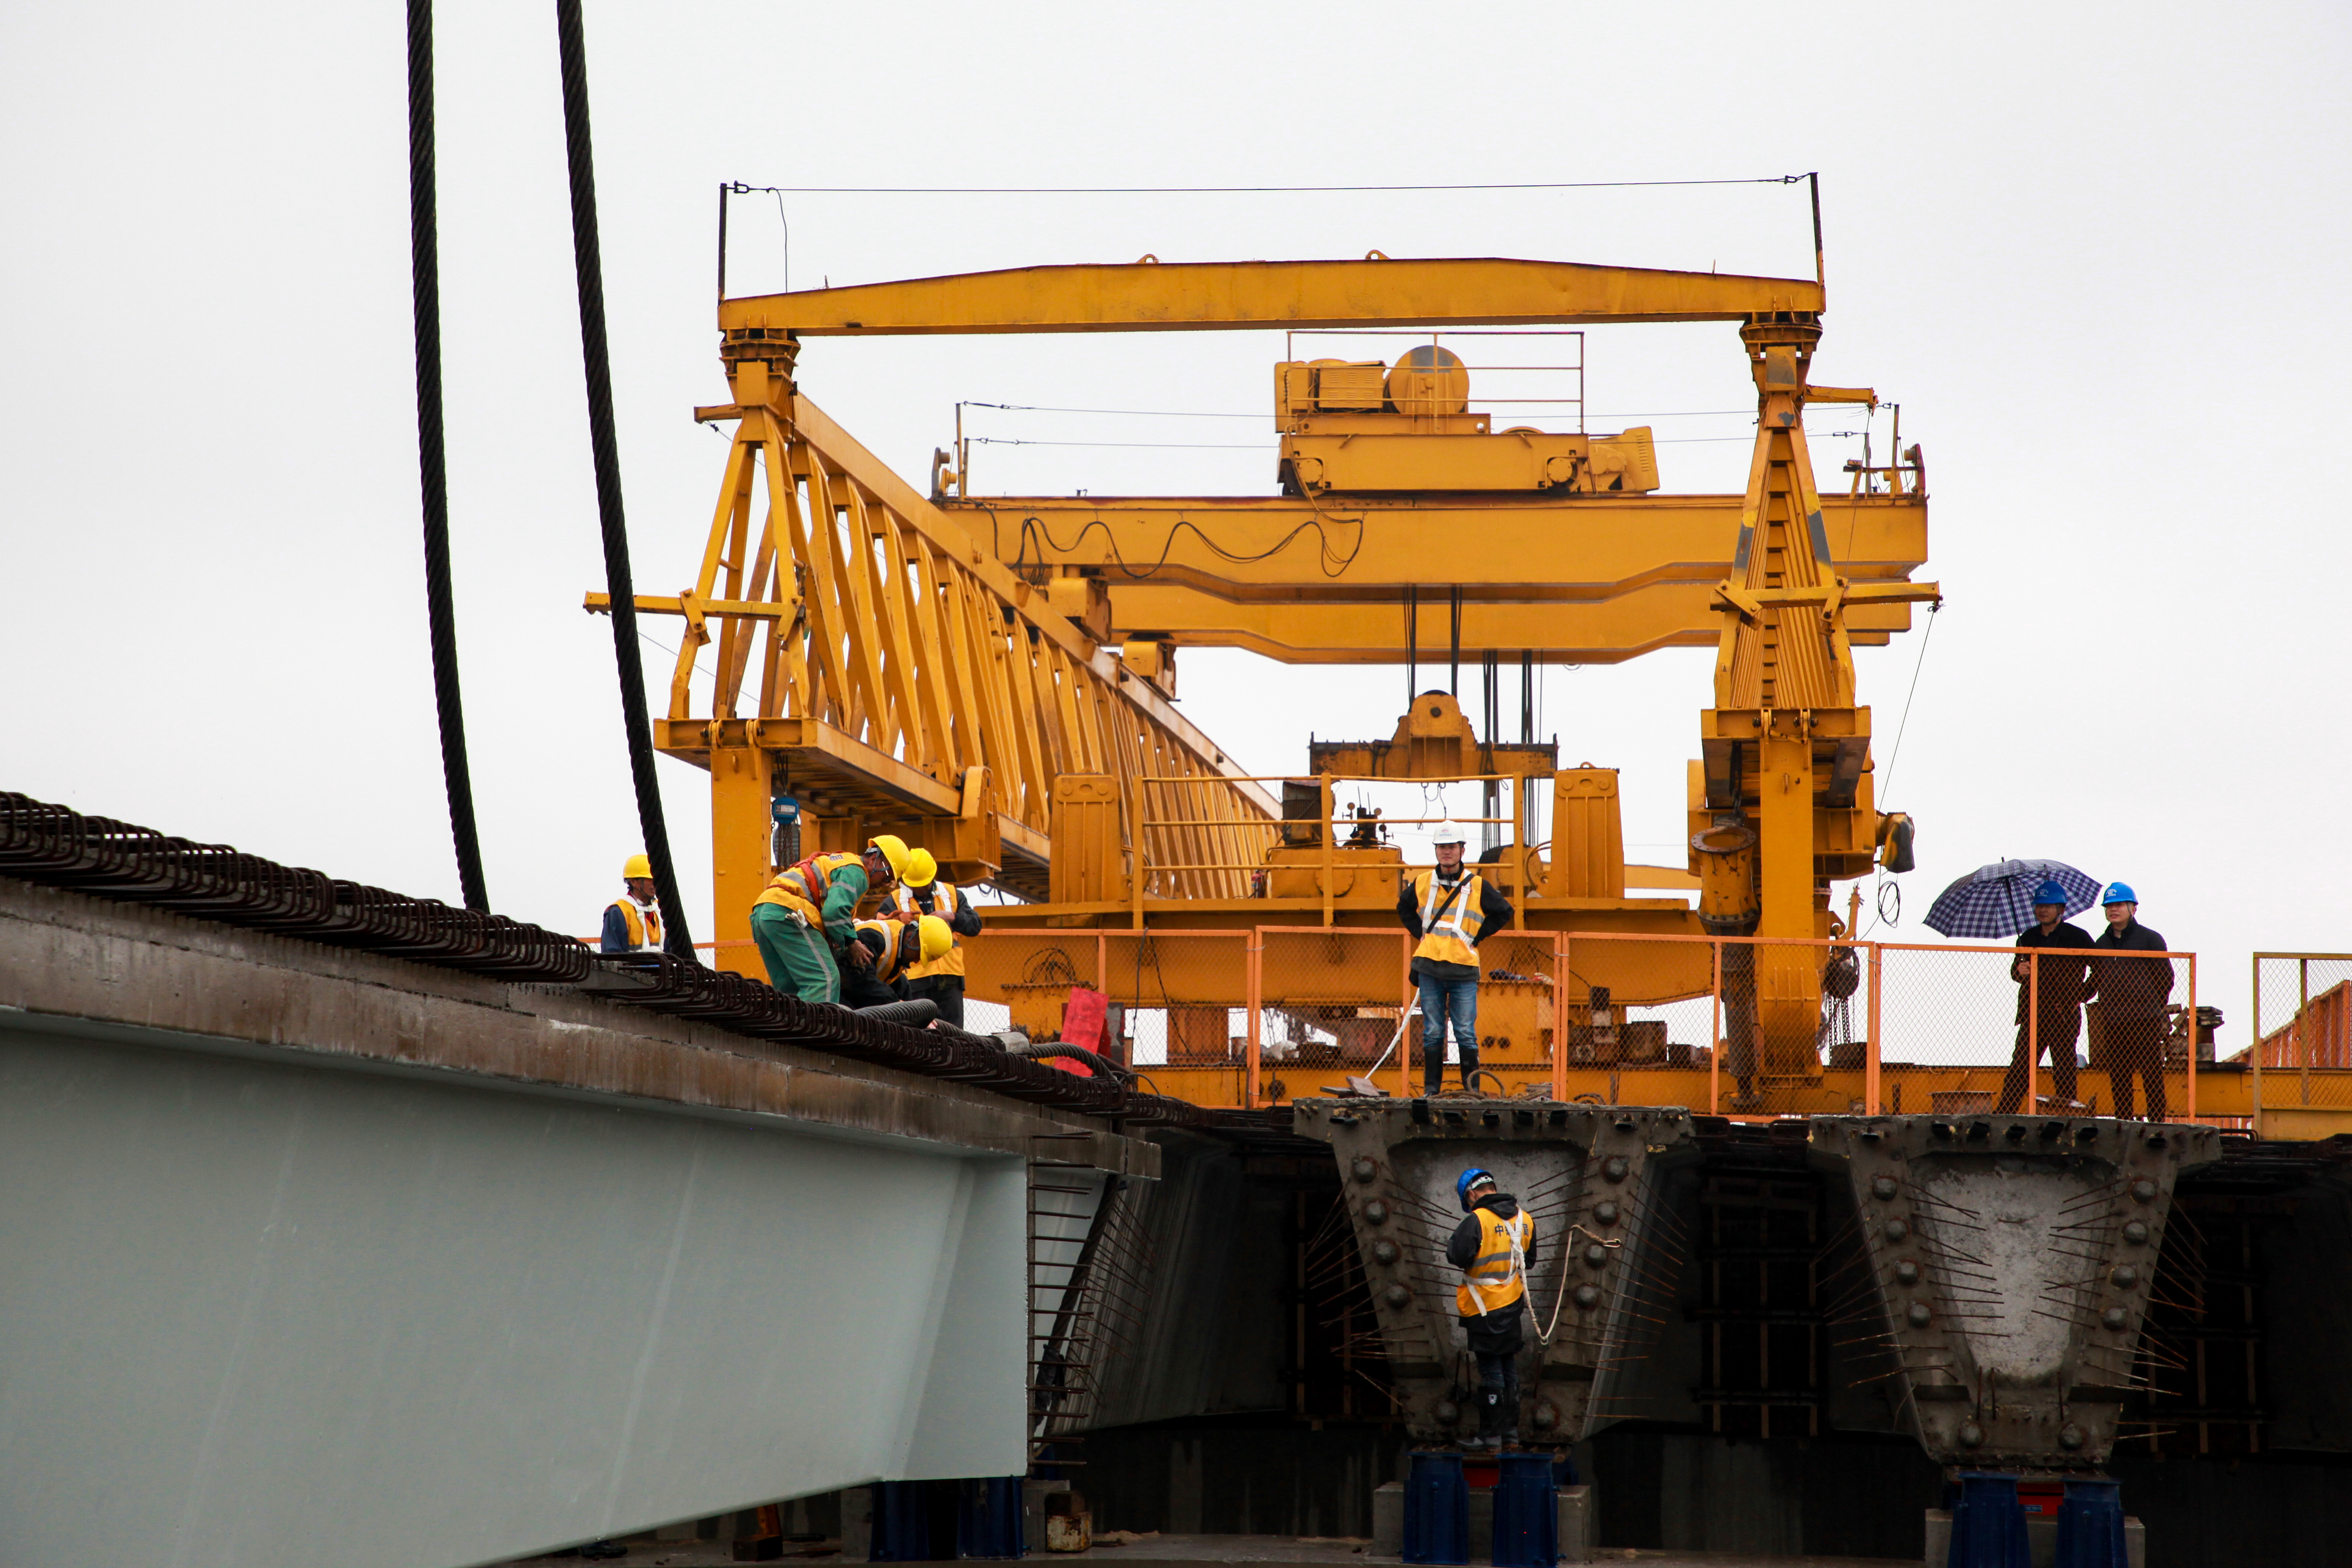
(943, 905)
(1499, 1275)
(1447, 933)
(802, 888)
(895, 947)
(644, 925)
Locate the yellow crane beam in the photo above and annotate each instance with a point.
(1179, 297)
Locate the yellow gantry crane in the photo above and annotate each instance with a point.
(991, 675)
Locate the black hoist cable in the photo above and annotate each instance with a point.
(432, 462)
(588, 262)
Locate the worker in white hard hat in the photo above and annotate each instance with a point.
(1449, 909)
(633, 922)
(920, 893)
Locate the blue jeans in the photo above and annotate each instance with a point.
(1439, 1001)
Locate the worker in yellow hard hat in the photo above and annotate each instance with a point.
(803, 920)
(920, 893)
(633, 922)
(893, 949)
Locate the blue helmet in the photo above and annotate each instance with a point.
(1467, 1180)
(2120, 892)
(2051, 893)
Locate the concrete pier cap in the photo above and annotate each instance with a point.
(1583, 1172)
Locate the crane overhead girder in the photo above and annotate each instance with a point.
(1239, 295)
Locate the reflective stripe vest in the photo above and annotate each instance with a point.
(643, 924)
(803, 887)
(1446, 937)
(944, 905)
(896, 949)
(1499, 1276)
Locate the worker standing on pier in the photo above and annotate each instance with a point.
(633, 922)
(2132, 993)
(1449, 910)
(1495, 1247)
(938, 980)
(803, 921)
(2055, 985)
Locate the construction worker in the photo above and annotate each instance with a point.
(1450, 910)
(803, 920)
(2056, 986)
(938, 980)
(1493, 1248)
(893, 948)
(2132, 993)
(633, 922)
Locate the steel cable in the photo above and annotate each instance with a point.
(432, 465)
(596, 356)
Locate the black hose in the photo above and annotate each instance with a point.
(588, 262)
(431, 464)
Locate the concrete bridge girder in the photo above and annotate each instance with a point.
(305, 1246)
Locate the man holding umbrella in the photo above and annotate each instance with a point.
(2054, 986)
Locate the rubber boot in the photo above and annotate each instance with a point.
(1511, 1406)
(1490, 1418)
(1470, 1066)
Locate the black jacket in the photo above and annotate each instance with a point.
(2132, 987)
(1494, 914)
(2061, 988)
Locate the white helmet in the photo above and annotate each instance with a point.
(1449, 833)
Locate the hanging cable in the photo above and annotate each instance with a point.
(432, 460)
(588, 265)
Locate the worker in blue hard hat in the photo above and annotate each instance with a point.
(1493, 1248)
(633, 922)
(2132, 994)
(2054, 986)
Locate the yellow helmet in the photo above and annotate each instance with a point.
(637, 866)
(893, 849)
(937, 938)
(921, 869)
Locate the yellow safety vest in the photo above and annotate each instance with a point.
(1447, 937)
(886, 963)
(1499, 1275)
(943, 905)
(644, 925)
(802, 888)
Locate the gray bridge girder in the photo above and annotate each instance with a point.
(309, 1255)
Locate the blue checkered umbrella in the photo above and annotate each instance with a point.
(1994, 903)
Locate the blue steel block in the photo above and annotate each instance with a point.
(902, 1522)
(1436, 1510)
(1526, 1512)
(1988, 1525)
(987, 1517)
(2091, 1526)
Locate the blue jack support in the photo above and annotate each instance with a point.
(902, 1522)
(1526, 1512)
(1436, 1510)
(1988, 1524)
(987, 1517)
(2091, 1525)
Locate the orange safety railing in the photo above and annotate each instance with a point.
(2301, 1046)
(1740, 1026)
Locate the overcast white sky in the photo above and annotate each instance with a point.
(2094, 251)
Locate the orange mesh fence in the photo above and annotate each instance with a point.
(1022, 978)
(1640, 1020)
(1331, 1003)
(1965, 1030)
(2301, 1051)
(1184, 998)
